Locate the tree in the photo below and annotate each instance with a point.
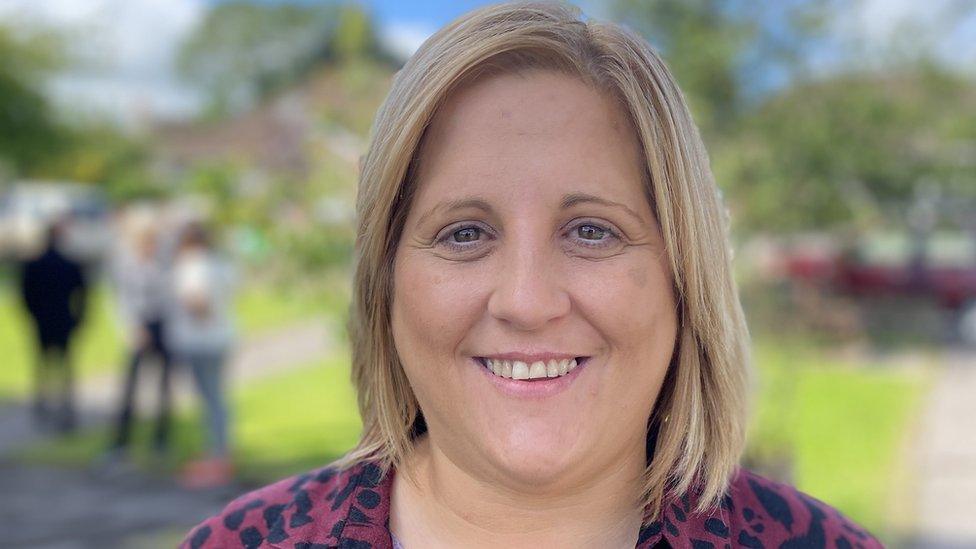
(725, 54)
(854, 148)
(244, 51)
(29, 132)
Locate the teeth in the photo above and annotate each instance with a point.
(520, 370)
(516, 369)
(537, 370)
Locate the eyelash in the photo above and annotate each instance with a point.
(458, 247)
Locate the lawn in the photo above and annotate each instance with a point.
(842, 429)
(285, 424)
(99, 347)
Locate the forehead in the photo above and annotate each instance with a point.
(528, 129)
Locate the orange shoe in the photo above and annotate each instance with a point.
(207, 473)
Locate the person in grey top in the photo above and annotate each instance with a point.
(201, 332)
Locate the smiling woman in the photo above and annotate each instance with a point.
(547, 341)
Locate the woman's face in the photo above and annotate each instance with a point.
(530, 242)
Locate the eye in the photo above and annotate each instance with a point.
(594, 235)
(460, 238)
(591, 232)
(467, 234)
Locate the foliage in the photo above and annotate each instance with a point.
(29, 131)
(795, 153)
(856, 148)
(100, 153)
(725, 52)
(244, 50)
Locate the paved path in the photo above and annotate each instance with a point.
(58, 508)
(946, 458)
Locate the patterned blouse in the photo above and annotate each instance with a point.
(350, 509)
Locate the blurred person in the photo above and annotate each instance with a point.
(142, 288)
(201, 332)
(548, 344)
(55, 293)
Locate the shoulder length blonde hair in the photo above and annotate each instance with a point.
(697, 430)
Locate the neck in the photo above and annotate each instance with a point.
(436, 503)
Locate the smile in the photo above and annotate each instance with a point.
(528, 371)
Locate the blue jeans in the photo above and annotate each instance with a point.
(207, 368)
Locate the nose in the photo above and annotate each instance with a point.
(528, 292)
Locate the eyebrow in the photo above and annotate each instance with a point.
(573, 199)
(568, 201)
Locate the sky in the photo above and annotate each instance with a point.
(131, 44)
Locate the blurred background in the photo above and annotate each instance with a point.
(214, 145)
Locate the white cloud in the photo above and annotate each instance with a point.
(403, 38)
(882, 27)
(127, 51)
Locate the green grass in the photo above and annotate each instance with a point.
(99, 347)
(841, 429)
(285, 424)
(261, 307)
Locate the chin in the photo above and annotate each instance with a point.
(532, 458)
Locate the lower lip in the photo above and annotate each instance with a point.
(532, 389)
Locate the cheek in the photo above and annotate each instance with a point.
(633, 306)
(430, 308)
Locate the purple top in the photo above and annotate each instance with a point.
(350, 509)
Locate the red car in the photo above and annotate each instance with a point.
(942, 269)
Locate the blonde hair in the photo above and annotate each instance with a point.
(698, 425)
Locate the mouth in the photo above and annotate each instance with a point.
(531, 371)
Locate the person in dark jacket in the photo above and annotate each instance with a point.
(54, 291)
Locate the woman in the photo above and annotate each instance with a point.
(201, 332)
(547, 341)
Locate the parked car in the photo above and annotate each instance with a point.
(942, 269)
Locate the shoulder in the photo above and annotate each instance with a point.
(316, 506)
(769, 513)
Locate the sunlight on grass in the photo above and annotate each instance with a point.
(285, 424)
(843, 427)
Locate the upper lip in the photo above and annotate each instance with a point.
(530, 357)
